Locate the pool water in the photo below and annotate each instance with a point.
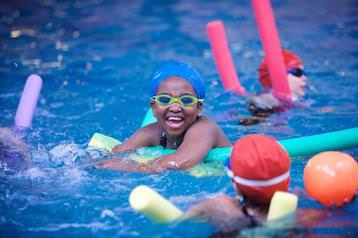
(96, 57)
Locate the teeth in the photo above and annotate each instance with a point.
(174, 118)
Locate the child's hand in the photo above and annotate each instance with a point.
(117, 148)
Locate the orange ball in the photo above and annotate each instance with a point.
(331, 178)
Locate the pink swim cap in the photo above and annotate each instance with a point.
(259, 166)
(291, 60)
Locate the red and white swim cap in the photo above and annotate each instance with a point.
(291, 60)
(259, 166)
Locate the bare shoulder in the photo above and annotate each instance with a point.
(215, 206)
(148, 135)
(152, 128)
(221, 211)
(207, 124)
(223, 200)
(207, 127)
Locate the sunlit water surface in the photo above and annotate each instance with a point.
(96, 57)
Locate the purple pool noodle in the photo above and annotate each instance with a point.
(28, 101)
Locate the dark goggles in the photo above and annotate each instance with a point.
(183, 100)
(298, 72)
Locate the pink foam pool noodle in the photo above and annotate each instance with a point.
(272, 48)
(223, 59)
(28, 101)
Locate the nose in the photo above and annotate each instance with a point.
(304, 80)
(175, 107)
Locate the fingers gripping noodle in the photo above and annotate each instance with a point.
(28, 101)
(153, 205)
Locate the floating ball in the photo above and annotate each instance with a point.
(331, 178)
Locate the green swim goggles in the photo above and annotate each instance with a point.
(183, 100)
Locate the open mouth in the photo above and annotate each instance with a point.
(174, 122)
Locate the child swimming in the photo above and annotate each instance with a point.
(264, 104)
(258, 167)
(14, 152)
(177, 98)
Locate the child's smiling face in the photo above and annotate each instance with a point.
(175, 119)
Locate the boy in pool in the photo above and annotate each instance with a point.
(264, 104)
(177, 97)
(258, 167)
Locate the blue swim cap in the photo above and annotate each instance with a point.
(182, 70)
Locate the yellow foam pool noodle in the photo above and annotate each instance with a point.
(282, 204)
(151, 204)
(101, 141)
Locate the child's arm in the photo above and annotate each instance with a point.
(198, 140)
(124, 164)
(141, 138)
(262, 104)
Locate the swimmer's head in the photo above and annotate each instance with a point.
(182, 70)
(13, 151)
(294, 66)
(259, 167)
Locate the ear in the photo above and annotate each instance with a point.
(200, 109)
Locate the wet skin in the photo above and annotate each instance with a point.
(191, 134)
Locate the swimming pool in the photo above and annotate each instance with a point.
(95, 58)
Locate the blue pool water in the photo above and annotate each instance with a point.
(95, 58)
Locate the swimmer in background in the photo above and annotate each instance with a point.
(14, 152)
(265, 103)
(177, 100)
(258, 167)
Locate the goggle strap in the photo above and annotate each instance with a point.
(298, 72)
